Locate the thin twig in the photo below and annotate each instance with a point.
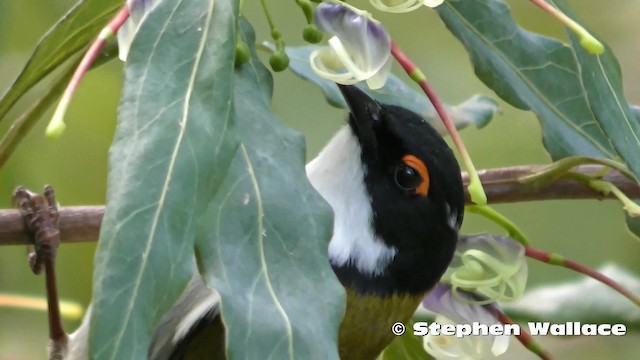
(502, 185)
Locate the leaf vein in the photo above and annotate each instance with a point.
(263, 260)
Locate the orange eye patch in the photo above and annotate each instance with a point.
(419, 166)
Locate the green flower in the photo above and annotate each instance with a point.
(491, 266)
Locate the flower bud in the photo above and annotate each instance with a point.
(243, 54)
(279, 61)
(311, 34)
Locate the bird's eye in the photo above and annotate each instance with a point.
(411, 175)
(407, 178)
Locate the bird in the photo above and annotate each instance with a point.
(397, 195)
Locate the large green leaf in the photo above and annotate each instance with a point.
(602, 79)
(69, 35)
(576, 95)
(585, 300)
(531, 72)
(174, 141)
(478, 110)
(265, 246)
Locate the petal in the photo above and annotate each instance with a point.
(326, 64)
(492, 266)
(330, 17)
(500, 345)
(468, 347)
(125, 38)
(378, 79)
(432, 3)
(361, 43)
(395, 6)
(442, 300)
(346, 60)
(138, 10)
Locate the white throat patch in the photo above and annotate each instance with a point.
(338, 175)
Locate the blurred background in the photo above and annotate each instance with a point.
(591, 232)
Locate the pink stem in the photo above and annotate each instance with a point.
(525, 338)
(555, 259)
(94, 50)
(414, 72)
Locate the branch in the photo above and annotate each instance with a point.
(76, 224)
(502, 185)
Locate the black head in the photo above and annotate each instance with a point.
(414, 183)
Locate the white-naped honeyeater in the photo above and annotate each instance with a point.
(397, 196)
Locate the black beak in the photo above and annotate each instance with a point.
(366, 114)
(360, 104)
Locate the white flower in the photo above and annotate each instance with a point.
(401, 6)
(492, 266)
(461, 308)
(138, 10)
(451, 347)
(360, 48)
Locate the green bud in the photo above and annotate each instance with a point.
(279, 61)
(275, 34)
(311, 34)
(242, 53)
(592, 45)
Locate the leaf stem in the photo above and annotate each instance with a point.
(476, 190)
(586, 39)
(560, 168)
(559, 260)
(56, 125)
(23, 124)
(513, 231)
(607, 188)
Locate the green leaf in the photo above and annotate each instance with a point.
(406, 347)
(265, 246)
(530, 72)
(635, 110)
(576, 95)
(174, 141)
(633, 223)
(478, 110)
(602, 79)
(23, 124)
(69, 35)
(585, 300)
